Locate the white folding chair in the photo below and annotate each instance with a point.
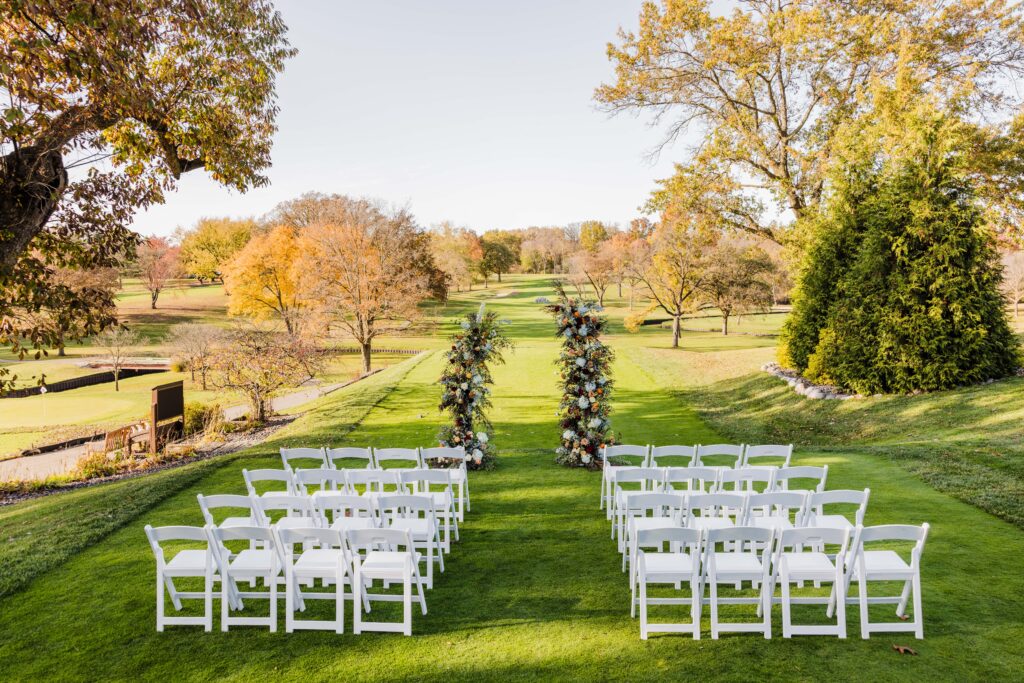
(298, 512)
(253, 563)
(409, 458)
(817, 516)
(803, 478)
(344, 511)
(755, 456)
(627, 482)
(803, 561)
(680, 563)
(866, 565)
(454, 460)
(691, 479)
(608, 453)
(320, 481)
(186, 563)
(309, 457)
(746, 479)
(736, 564)
(777, 510)
(436, 485)
(725, 455)
(648, 511)
(324, 557)
(387, 555)
(284, 477)
(669, 456)
(231, 501)
(415, 516)
(338, 458)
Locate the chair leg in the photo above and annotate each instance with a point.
(713, 593)
(840, 602)
(357, 598)
(901, 608)
(208, 602)
(642, 579)
(339, 602)
(407, 602)
(159, 602)
(862, 588)
(225, 596)
(289, 601)
(918, 614)
(787, 619)
(272, 578)
(695, 604)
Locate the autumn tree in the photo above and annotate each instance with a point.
(592, 234)
(496, 258)
(770, 85)
(194, 344)
(596, 270)
(736, 280)
(456, 251)
(157, 88)
(117, 341)
(208, 247)
(95, 284)
(1013, 279)
(258, 361)
(157, 263)
(365, 273)
(262, 279)
(512, 241)
(675, 267)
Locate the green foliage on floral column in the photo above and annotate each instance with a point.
(585, 369)
(465, 391)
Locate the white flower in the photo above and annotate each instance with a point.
(477, 455)
(591, 386)
(568, 434)
(595, 423)
(477, 379)
(583, 331)
(568, 332)
(481, 437)
(583, 402)
(583, 309)
(585, 458)
(464, 386)
(467, 355)
(465, 325)
(580, 362)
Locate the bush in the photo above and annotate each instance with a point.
(900, 289)
(202, 417)
(97, 465)
(177, 365)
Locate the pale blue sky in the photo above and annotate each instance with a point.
(478, 112)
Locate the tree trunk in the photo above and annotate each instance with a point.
(675, 330)
(153, 296)
(60, 351)
(33, 184)
(499, 277)
(620, 289)
(202, 376)
(117, 378)
(365, 348)
(725, 324)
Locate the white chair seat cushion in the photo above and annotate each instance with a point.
(668, 563)
(831, 522)
(883, 562)
(253, 560)
(188, 561)
(386, 560)
(418, 528)
(808, 563)
(746, 563)
(320, 558)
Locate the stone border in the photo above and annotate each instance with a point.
(805, 387)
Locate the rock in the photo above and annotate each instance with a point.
(800, 389)
(815, 393)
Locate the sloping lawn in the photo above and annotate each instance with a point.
(534, 589)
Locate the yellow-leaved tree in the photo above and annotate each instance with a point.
(261, 280)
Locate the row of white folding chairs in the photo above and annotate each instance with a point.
(350, 558)
(308, 481)
(451, 458)
(768, 557)
(775, 509)
(735, 455)
(714, 479)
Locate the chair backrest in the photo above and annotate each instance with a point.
(283, 476)
(887, 533)
(362, 457)
(373, 481)
(320, 479)
(325, 538)
(362, 540)
(157, 535)
(668, 456)
(719, 455)
(696, 479)
(675, 537)
(409, 456)
(641, 475)
(815, 476)
(293, 506)
(816, 503)
(244, 533)
(333, 506)
(306, 455)
(736, 538)
(716, 505)
(787, 504)
(443, 455)
(421, 481)
(744, 479)
(622, 451)
(756, 455)
(231, 501)
(405, 505)
(659, 504)
(804, 536)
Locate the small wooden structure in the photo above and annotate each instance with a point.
(167, 415)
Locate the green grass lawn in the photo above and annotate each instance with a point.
(533, 590)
